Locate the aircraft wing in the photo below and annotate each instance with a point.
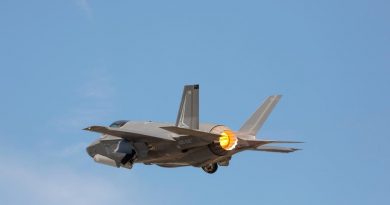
(275, 149)
(209, 137)
(191, 138)
(125, 134)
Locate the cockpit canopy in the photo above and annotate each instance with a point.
(119, 123)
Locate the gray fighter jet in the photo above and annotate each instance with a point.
(184, 143)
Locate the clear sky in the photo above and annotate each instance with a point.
(69, 64)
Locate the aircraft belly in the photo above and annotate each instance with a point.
(198, 157)
(164, 154)
(195, 157)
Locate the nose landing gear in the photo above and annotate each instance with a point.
(128, 160)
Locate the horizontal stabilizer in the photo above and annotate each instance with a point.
(256, 143)
(129, 135)
(276, 149)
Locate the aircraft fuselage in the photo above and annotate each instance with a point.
(167, 153)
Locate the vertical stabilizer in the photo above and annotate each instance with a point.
(188, 115)
(256, 121)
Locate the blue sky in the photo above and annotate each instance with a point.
(68, 64)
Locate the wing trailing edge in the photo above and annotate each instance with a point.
(208, 137)
(188, 138)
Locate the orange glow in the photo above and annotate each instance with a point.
(227, 140)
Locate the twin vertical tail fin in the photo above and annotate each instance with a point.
(252, 126)
(187, 122)
(255, 122)
(188, 115)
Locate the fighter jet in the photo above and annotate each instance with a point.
(184, 143)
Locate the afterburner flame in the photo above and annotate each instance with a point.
(227, 140)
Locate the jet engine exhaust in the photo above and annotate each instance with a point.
(228, 140)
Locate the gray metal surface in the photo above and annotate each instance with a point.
(188, 115)
(256, 121)
(186, 143)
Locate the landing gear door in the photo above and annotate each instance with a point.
(141, 148)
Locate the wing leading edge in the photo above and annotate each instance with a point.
(125, 134)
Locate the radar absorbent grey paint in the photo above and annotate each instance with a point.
(185, 143)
